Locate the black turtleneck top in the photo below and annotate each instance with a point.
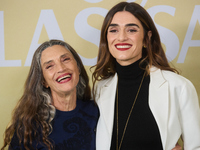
(142, 132)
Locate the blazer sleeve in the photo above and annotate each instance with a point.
(189, 116)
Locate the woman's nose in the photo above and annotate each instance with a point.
(122, 36)
(60, 67)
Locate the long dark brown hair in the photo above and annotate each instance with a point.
(152, 55)
(34, 110)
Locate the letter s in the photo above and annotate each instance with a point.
(168, 37)
(87, 32)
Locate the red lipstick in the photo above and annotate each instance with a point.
(123, 46)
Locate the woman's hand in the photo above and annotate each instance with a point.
(177, 147)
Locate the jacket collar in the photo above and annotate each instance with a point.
(107, 101)
(159, 101)
(156, 77)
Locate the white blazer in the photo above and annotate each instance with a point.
(173, 101)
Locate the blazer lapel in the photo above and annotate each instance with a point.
(107, 102)
(159, 101)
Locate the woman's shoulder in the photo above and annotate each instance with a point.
(108, 81)
(89, 106)
(87, 103)
(171, 77)
(176, 78)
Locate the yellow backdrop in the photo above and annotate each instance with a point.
(25, 24)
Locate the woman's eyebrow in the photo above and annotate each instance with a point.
(66, 54)
(132, 24)
(127, 25)
(113, 25)
(45, 63)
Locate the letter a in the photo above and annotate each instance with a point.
(48, 19)
(187, 41)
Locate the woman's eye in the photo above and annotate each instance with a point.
(113, 31)
(132, 30)
(65, 59)
(49, 66)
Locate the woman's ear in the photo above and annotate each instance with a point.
(45, 84)
(148, 37)
(149, 34)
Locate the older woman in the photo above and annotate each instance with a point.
(55, 110)
(144, 103)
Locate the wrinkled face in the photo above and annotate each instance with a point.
(125, 38)
(60, 70)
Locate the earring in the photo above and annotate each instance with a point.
(144, 46)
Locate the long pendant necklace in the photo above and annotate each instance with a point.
(119, 146)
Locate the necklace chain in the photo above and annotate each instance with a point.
(119, 146)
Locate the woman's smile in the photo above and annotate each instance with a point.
(64, 78)
(123, 46)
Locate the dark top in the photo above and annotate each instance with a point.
(72, 130)
(142, 132)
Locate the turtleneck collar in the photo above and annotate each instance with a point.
(131, 71)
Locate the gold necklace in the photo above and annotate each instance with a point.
(118, 148)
